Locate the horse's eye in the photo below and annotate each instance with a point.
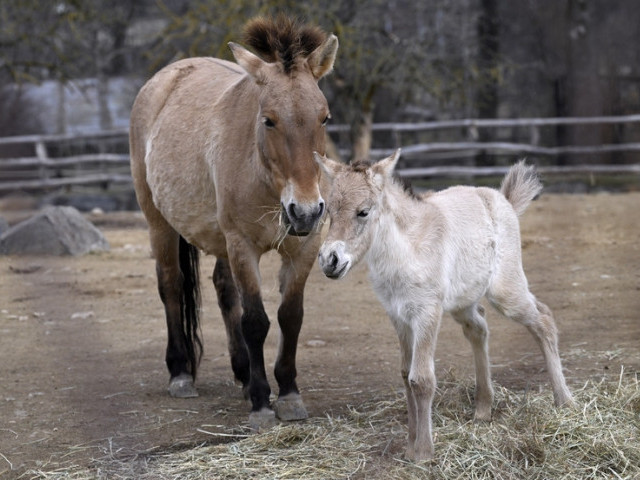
(326, 119)
(363, 213)
(268, 122)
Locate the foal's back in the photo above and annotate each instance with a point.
(478, 230)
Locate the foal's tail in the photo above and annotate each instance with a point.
(520, 186)
(190, 303)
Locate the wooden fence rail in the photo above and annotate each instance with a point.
(42, 171)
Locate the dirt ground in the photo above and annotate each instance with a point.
(82, 339)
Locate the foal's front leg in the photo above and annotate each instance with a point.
(422, 381)
(405, 350)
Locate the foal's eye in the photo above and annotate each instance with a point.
(326, 119)
(363, 213)
(268, 122)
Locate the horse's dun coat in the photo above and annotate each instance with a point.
(438, 253)
(222, 161)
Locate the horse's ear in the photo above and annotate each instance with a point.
(250, 63)
(321, 59)
(330, 167)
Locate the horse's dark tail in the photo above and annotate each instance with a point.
(190, 303)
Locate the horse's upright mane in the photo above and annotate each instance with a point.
(282, 39)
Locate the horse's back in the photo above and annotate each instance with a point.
(175, 122)
(182, 86)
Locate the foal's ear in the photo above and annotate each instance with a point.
(384, 168)
(250, 63)
(330, 167)
(321, 59)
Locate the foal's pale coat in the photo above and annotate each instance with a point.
(439, 253)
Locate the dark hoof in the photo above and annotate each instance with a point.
(182, 386)
(262, 420)
(290, 407)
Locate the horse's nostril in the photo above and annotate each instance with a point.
(333, 260)
(321, 209)
(291, 211)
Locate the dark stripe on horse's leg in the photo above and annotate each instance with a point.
(290, 316)
(190, 303)
(229, 303)
(255, 326)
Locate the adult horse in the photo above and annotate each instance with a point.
(222, 161)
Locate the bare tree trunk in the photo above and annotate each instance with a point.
(361, 136)
(487, 94)
(61, 113)
(331, 149)
(106, 122)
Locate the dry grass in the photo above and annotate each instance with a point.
(528, 439)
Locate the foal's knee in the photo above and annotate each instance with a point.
(423, 385)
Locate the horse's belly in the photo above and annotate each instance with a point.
(187, 200)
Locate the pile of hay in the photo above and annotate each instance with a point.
(528, 439)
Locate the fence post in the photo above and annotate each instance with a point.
(534, 135)
(41, 153)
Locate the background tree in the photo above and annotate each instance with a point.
(386, 55)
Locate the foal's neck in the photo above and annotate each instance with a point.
(400, 216)
(400, 208)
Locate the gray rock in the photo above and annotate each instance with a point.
(4, 225)
(53, 231)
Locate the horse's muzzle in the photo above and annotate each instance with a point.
(301, 220)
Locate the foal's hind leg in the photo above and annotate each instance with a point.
(475, 330)
(511, 296)
(231, 309)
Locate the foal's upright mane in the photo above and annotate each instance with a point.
(283, 39)
(361, 166)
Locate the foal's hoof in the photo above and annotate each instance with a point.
(290, 407)
(482, 415)
(262, 420)
(182, 386)
(418, 456)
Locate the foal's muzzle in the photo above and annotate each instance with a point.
(301, 219)
(333, 261)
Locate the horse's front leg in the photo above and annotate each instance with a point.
(254, 324)
(293, 276)
(231, 309)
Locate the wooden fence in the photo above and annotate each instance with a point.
(61, 161)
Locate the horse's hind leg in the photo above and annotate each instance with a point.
(476, 331)
(511, 296)
(181, 354)
(231, 309)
